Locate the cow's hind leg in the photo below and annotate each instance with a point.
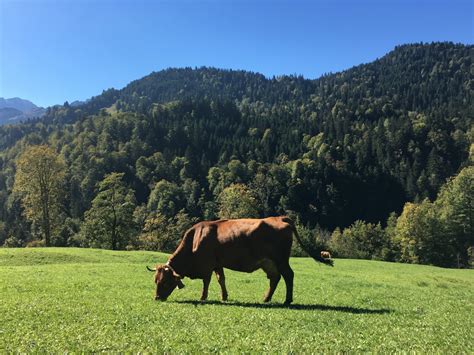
(205, 287)
(273, 275)
(288, 275)
(221, 279)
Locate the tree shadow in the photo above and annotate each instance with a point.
(298, 307)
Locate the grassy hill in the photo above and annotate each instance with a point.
(57, 300)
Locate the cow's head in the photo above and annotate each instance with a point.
(166, 280)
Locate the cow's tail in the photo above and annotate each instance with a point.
(309, 249)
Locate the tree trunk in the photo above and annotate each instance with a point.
(46, 225)
(114, 222)
(114, 232)
(114, 239)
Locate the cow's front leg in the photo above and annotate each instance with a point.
(205, 287)
(221, 279)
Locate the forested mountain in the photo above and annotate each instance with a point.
(352, 145)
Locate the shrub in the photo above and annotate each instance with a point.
(37, 243)
(360, 241)
(12, 242)
(163, 234)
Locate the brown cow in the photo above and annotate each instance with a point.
(325, 254)
(239, 244)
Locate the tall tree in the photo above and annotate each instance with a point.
(237, 201)
(39, 180)
(419, 236)
(109, 223)
(455, 204)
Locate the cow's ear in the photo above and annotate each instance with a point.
(180, 284)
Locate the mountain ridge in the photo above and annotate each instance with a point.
(229, 84)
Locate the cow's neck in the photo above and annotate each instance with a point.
(182, 260)
(179, 262)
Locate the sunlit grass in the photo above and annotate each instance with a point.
(57, 300)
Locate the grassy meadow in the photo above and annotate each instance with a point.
(58, 300)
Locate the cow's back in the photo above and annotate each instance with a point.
(244, 244)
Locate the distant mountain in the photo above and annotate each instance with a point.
(19, 104)
(7, 113)
(16, 109)
(78, 103)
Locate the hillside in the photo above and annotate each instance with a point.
(351, 145)
(416, 77)
(108, 306)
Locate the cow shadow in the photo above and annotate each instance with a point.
(296, 306)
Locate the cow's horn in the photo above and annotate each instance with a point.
(149, 269)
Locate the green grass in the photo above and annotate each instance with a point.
(58, 300)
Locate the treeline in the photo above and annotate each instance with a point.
(439, 232)
(186, 144)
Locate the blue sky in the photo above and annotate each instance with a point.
(53, 51)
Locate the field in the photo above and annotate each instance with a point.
(58, 300)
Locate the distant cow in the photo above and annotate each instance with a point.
(325, 254)
(240, 244)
